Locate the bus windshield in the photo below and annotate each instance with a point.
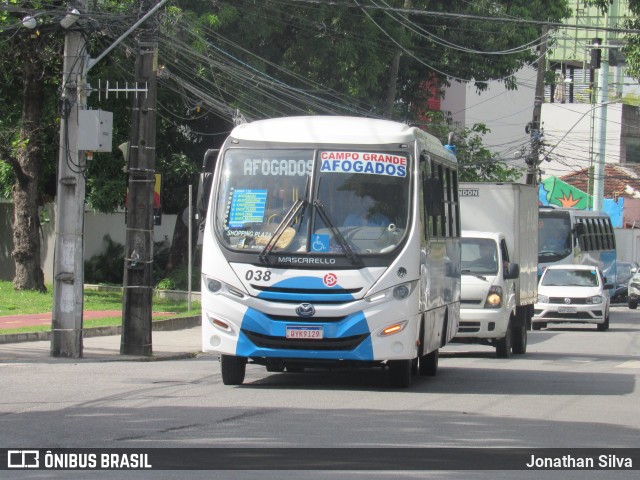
(266, 201)
(554, 236)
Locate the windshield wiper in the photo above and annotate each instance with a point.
(282, 226)
(355, 260)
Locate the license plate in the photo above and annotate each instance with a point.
(304, 333)
(567, 310)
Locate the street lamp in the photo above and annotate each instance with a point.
(29, 22)
(70, 18)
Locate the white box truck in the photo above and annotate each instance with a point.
(499, 258)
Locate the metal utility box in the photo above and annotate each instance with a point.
(95, 129)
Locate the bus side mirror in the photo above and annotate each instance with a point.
(204, 183)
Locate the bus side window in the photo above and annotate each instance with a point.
(450, 203)
(581, 234)
(611, 235)
(434, 199)
(602, 243)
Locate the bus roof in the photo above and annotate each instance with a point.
(336, 130)
(571, 211)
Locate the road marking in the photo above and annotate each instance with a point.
(629, 364)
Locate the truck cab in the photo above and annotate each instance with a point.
(489, 305)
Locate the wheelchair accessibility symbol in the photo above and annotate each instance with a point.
(320, 243)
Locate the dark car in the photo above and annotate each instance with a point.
(624, 272)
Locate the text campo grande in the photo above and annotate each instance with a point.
(96, 460)
(570, 461)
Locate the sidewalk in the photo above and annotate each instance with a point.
(171, 339)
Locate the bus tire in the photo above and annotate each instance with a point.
(428, 366)
(503, 345)
(519, 340)
(400, 373)
(633, 304)
(233, 369)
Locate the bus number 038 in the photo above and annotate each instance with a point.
(258, 275)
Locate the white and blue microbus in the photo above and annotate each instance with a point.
(331, 242)
(580, 237)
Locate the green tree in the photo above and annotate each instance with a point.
(267, 58)
(28, 59)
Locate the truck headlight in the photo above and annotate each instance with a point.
(494, 297)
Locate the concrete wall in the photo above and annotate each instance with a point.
(627, 244)
(504, 112)
(568, 130)
(96, 226)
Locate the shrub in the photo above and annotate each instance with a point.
(108, 266)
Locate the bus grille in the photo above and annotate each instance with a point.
(284, 318)
(266, 341)
(308, 291)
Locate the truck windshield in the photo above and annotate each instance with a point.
(479, 256)
(358, 204)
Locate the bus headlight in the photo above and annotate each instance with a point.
(216, 286)
(399, 292)
(494, 297)
(213, 285)
(543, 299)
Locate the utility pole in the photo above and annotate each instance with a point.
(138, 268)
(601, 119)
(68, 301)
(387, 110)
(534, 128)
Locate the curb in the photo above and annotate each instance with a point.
(159, 326)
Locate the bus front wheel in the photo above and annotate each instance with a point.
(233, 369)
(400, 372)
(429, 364)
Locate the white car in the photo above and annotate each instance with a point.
(572, 294)
(634, 291)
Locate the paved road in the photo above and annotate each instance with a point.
(575, 387)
